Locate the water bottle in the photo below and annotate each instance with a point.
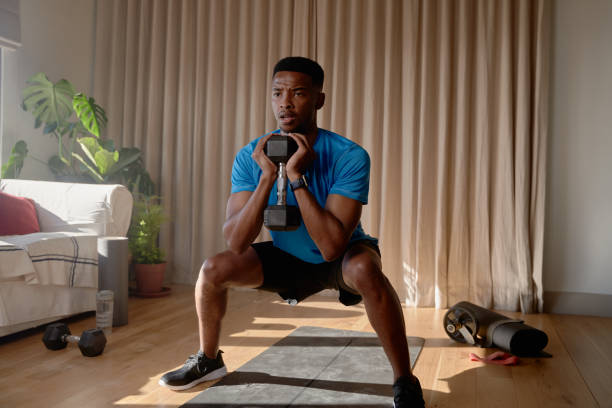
(104, 311)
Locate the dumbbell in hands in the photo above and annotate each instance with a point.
(281, 217)
(91, 342)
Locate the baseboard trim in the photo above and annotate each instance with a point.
(587, 304)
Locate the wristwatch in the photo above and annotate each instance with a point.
(299, 183)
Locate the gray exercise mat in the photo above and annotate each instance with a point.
(312, 367)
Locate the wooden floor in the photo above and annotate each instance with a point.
(162, 333)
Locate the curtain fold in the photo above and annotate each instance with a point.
(449, 98)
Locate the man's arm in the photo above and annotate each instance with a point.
(244, 217)
(331, 227)
(244, 211)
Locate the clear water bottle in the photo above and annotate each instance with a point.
(104, 311)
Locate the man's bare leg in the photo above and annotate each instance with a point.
(218, 273)
(362, 270)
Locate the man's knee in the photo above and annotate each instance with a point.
(363, 274)
(215, 270)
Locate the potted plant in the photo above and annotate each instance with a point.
(147, 257)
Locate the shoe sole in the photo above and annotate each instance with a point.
(213, 375)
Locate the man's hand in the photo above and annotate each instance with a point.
(268, 168)
(302, 159)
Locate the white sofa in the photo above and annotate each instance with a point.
(53, 274)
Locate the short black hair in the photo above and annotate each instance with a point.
(303, 65)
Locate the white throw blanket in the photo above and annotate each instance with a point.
(50, 258)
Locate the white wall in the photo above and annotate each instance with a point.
(578, 240)
(57, 38)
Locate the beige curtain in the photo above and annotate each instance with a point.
(448, 97)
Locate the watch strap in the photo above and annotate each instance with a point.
(299, 183)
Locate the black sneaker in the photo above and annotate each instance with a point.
(407, 394)
(198, 368)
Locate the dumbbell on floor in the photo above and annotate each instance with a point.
(91, 342)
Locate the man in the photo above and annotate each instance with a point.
(329, 178)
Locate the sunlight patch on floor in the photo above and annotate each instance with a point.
(156, 395)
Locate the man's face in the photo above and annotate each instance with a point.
(295, 101)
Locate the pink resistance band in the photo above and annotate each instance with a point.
(499, 358)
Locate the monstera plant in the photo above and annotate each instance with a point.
(54, 106)
(75, 121)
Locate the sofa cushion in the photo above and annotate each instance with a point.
(17, 215)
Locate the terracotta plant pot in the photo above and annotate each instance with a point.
(149, 277)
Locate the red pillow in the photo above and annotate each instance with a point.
(17, 215)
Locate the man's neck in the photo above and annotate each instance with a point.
(311, 135)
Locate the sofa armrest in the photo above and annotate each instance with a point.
(102, 209)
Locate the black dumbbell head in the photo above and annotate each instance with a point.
(282, 217)
(53, 337)
(92, 342)
(279, 148)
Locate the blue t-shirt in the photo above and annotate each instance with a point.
(341, 167)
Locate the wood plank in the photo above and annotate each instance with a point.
(589, 345)
(555, 381)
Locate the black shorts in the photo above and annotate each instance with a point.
(294, 279)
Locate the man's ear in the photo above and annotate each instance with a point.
(320, 100)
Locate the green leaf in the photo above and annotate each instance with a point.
(66, 128)
(13, 167)
(90, 147)
(91, 115)
(49, 102)
(135, 176)
(105, 160)
(92, 171)
(20, 148)
(50, 128)
(72, 129)
(108, 144)
(125, 157)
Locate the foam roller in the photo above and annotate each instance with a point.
(466, 322)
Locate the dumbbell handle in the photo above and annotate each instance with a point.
(281, 185)
(70, 338)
